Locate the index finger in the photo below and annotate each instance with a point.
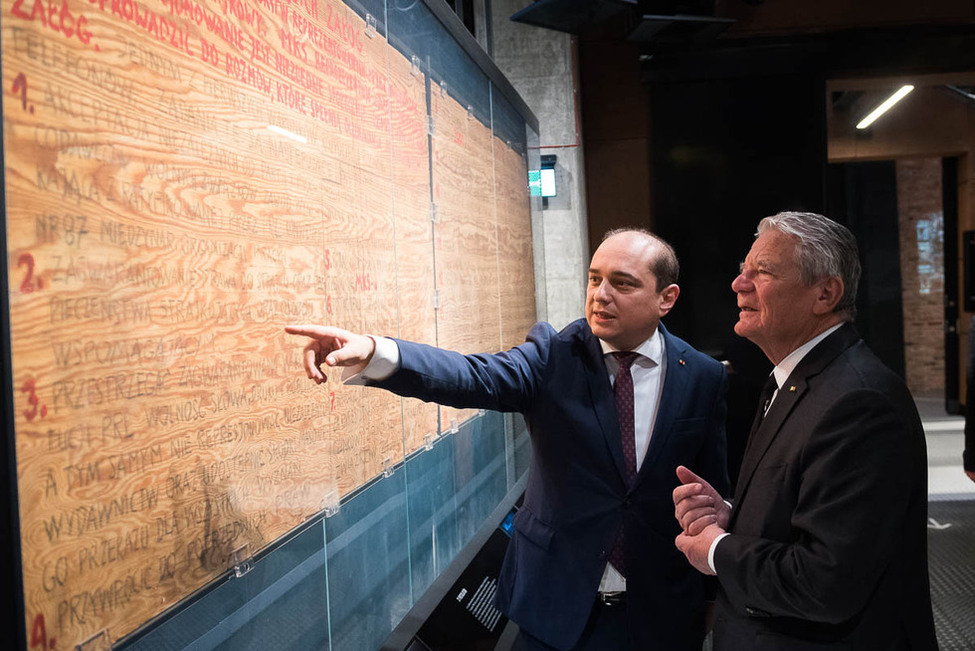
(309, 330)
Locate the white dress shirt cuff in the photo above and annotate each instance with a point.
(714, 544)
(384, 362)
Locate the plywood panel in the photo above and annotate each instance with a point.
(468, 316)
(181, 180)
(414, 230)
(515, 260)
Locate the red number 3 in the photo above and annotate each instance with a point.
(29, 388)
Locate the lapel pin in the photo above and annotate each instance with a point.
(681, 362)
(792, 388)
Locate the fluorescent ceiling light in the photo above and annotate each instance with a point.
(883, 108)
(287, 134)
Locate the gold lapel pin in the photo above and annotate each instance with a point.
(792, 388)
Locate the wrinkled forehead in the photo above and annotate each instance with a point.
(773, 247)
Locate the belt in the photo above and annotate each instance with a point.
(611, 598)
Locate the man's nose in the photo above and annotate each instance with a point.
(601, 293)
(741, 284)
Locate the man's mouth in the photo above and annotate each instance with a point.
(603, 315)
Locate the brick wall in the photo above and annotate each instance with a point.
(921, 225)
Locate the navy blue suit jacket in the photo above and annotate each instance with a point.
(577, 498)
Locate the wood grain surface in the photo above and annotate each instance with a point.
(182, 179)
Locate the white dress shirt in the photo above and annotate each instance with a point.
(384, 362)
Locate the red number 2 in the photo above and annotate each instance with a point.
(28, 285)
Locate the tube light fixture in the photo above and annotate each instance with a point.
(885, 106)
(287, 134)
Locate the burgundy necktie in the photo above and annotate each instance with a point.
(623, 390)
(624, 409)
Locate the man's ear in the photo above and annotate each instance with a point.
(830, 293)
(668, 297)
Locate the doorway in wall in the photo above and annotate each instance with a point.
(904, 214)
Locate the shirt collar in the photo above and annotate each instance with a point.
(784, 368)
(652, 348)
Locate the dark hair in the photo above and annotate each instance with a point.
(664, 264)
(823, 249)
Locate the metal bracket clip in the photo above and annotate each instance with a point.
(240, 561)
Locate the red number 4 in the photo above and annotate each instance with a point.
(38, 634)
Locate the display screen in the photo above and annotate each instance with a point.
(541, 183)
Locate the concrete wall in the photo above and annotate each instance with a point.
(541, 65)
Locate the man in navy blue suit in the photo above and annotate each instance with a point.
(614, 404)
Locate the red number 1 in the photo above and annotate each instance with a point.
(20, 86)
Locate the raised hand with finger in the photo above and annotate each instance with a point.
(697, 505)
(333, 347)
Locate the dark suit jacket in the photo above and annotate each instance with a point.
(829, 540)
(577, 498)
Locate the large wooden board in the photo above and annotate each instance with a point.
(468, 319)
(515, 258)
(414, 230)
(182, 179)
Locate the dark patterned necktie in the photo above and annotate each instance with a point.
(764, 402)
(768, 391)
(623, 390)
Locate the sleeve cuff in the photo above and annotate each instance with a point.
(714, 544)
(384, 362)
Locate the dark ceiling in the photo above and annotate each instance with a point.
(687, 39)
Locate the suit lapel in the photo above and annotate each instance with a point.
(671, 401)
(768, 429)
(603, 402)
(789, 395)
